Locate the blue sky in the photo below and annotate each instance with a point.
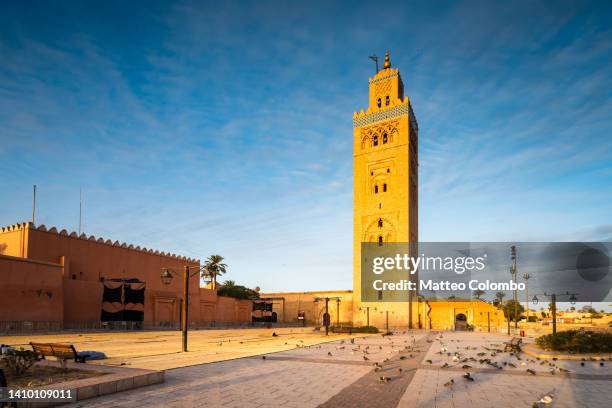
(204, 128)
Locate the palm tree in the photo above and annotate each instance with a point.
(499, 298)
(212, 268)
(478, 293)
(229, 284)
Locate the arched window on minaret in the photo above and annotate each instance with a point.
(376, 189)
(380, 223)
(387, 100)
(384, 187)
(385, 138)
(380, 240)
(379, 103)
(375, 141)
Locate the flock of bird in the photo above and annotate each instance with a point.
(491, 356)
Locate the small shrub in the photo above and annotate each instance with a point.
(19, 361)
(577, 341)
(365, 329)
(362, 329)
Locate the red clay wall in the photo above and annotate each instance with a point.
(30, 290)
(78, 266)
(82, 301)
(89, 260)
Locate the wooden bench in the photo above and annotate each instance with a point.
(514, 344)
(62, 352)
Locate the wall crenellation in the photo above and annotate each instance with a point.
(99, 240)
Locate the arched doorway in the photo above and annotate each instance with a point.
(461, 322)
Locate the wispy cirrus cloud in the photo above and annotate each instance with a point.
(198, 128)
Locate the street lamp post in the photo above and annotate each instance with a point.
(526, 277)
(515, 294)
(166, 278)
(326, 317)
(553, 305)
(185, 322)
(367, 310)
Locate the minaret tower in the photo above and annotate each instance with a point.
(385, 200)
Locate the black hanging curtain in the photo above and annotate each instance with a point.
(123, 300)
(134, 293)
(112, 295)
(266, 307)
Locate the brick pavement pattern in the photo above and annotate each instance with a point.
(511, 386)
(337, 375)
(370, 391)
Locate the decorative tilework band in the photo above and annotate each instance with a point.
(399, 110)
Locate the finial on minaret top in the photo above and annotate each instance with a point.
(387, 62)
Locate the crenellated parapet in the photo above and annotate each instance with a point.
(93, 239)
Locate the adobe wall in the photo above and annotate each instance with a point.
(479, 314)
(73, 269)
(13, 240)
(230, 310)
(82, 300)
(30, 290)
(305, 301)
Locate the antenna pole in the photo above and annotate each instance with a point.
(80, 208)
(34, 206)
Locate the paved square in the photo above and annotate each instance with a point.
(342, 374)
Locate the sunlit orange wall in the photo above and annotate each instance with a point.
(83, 263)
(30, 290)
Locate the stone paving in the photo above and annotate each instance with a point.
(568, 382)
(342, 374)
(158, 350)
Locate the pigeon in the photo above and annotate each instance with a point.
(466, 367)
(383, 379)
(445, 365)
(329, 353)
(429, 361)
(449, 383)
(274, 334)
(582, 363)
(547, 399)
(263, 357)
(402, 357)
(365, 358)
(530, 371)
(400, 370)
(601, 364)
(468, 376)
